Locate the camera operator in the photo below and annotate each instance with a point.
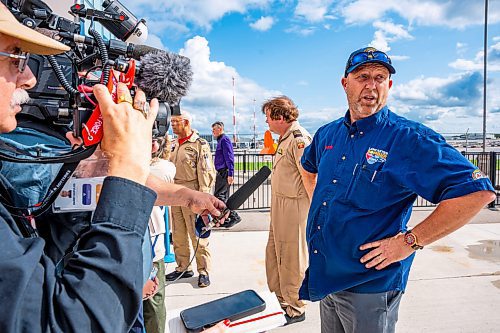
(100, 287)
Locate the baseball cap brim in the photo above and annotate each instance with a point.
(30, 40)
(368, 61)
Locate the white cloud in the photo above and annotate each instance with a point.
(155, 41)
(388, 32)
(313, 10)
(201, 13)
(445, 104)
(303, 31)
(477, 63)
(451, 13)
(211, 94)
(399, 57)
(263, 24)
(314, 119)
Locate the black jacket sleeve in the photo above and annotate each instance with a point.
(99, 290)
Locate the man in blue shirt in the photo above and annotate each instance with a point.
(224, 164)
(366, 170)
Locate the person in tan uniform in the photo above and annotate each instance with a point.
(286, 251)
(195, 170)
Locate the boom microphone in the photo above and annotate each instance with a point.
(163, 75)
(234, 201)
(244, 192)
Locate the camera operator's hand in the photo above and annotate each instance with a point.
(127, 133)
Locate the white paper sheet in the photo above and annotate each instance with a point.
(175, 325)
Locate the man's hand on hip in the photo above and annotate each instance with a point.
(385, 252)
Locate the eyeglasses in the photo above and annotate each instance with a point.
(20, 59)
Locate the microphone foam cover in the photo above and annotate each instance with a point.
(165, 75)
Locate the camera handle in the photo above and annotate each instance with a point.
(92, 129)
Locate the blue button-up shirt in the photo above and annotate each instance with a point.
(369, 174)
(224, 155)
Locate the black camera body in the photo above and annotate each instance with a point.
(57, 100)
(49, 101)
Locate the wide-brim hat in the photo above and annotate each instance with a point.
(30, 40)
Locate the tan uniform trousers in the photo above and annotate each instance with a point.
(183, 220)
(286, 251)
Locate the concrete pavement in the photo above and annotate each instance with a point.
(454, 284)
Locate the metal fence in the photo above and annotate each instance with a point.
(247, 164)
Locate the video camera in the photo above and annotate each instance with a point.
(63, 94)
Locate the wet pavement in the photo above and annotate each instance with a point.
(454, 285)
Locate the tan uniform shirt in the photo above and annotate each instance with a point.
(194, 165)
(286, 180)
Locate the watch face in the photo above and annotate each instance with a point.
(410, 239)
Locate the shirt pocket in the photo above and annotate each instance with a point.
(366, 186)
(191, 158)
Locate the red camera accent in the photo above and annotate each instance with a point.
(92, 131)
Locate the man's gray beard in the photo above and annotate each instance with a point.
(19, 97)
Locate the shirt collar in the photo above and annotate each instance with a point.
(187, 138)
(366, 124)
(295, 125)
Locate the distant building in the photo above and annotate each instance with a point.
(474, 136)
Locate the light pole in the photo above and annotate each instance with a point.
(466, 140)
(484, 73)
(254, 127)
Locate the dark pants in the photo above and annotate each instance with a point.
(346, 312)
(221, 190)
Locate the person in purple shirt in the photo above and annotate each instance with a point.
(224, 164)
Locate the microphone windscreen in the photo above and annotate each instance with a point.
(244, 192)
(141, 50)
(165, 75)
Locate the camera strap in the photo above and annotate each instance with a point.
(19, 217)
(69, 163)
(74, 156)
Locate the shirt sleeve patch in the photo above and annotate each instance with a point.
(301, 144)
(478, 174)
(297, 134)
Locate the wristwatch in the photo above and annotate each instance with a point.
(411, 240)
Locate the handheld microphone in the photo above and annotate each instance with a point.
(234, 201)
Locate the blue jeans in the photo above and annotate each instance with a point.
(347, 312)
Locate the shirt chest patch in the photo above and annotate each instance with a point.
(374, 155)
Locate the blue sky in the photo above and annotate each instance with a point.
(299, 48)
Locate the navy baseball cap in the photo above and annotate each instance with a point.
(368, 55)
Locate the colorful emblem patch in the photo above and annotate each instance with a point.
(478, 174)
(376, 156)
(301, 144)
